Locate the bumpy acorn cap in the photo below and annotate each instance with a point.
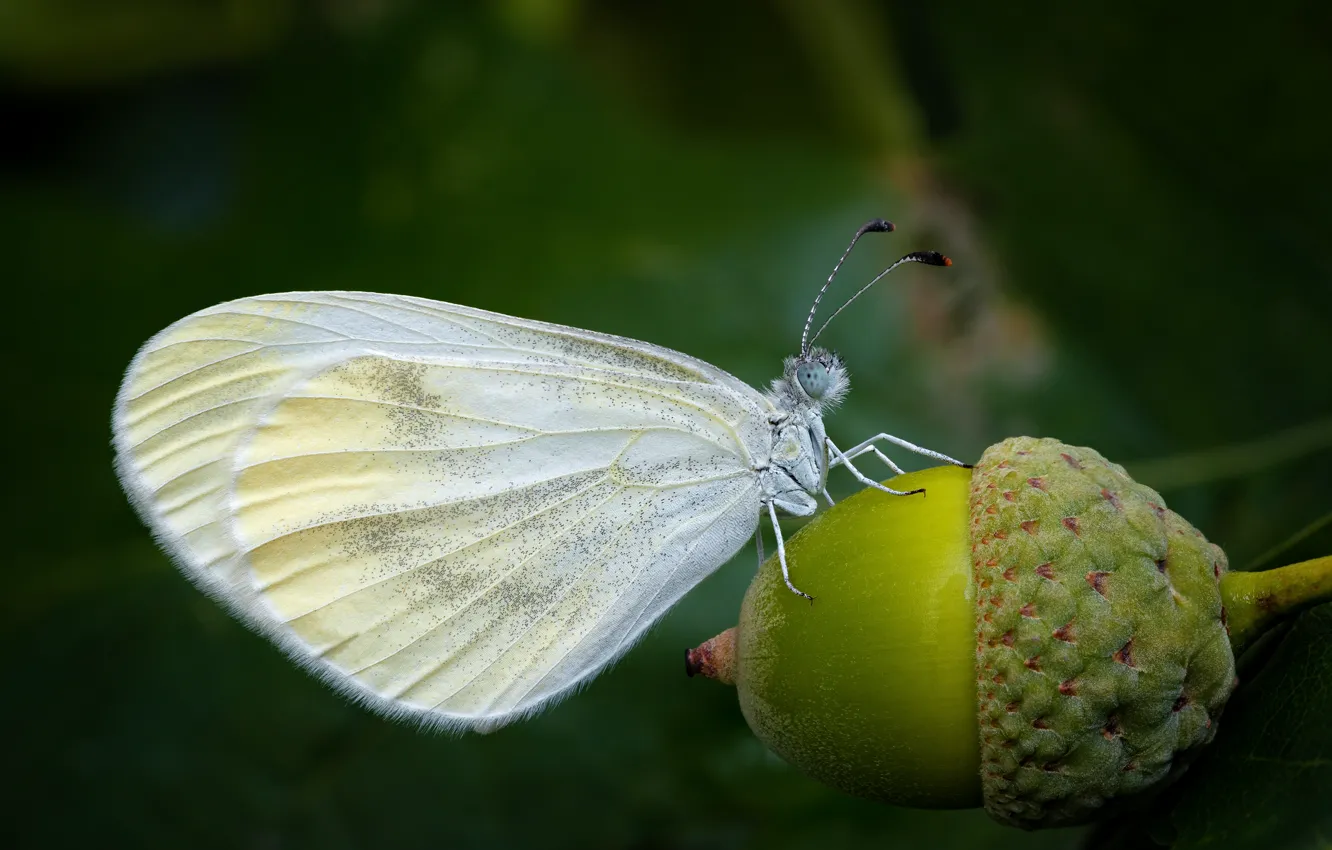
(1102, 653)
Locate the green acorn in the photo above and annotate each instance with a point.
(1039, 635)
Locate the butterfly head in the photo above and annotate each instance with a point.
(818, 379)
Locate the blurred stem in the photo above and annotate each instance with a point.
(1294, 540)
(845, 42)
(1255, 602)
(1236, 460)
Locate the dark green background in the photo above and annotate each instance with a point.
(1137, 200)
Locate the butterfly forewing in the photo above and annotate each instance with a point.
(441, 510)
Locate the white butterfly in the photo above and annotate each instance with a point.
(452, 514)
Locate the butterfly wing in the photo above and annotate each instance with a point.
(444, 512)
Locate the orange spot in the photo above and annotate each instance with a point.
(1071, 523)
(1011, 573)
(1033, 663)
(991, 509)
(999, 679)
(1112, 499)
(1070, 460)
(1012, 707)
(1001, 535)
(1007, 638)
(1028, 610)
(1046, 571)
(1069, 687)
(1040, 723)
(993, 562)
(1008, 494)
(1064, 633)
(1038, 483)
(1030, 526)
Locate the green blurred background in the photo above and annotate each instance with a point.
(1136, 196)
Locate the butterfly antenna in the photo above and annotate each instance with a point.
(929, 258)
(876, 225)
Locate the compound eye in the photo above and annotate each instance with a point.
(813, 378)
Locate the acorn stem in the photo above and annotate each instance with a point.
(714, 658)
(1254, 602)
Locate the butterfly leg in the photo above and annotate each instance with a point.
(781, 553)
(758, 543)
(829, 497)
(840, 458)
(857, 450)
(871, 449)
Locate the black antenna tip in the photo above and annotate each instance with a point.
(929, 258)
(878, 225)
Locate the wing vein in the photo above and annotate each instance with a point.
(545, 546)
(711, 414)
(192, 340)
(165, 428)
(430, 337)
(424, 507)
(140, 415)
(269, 318)
(435, 560)
(611, 341)
(433, 315)
(560, 597)
(717, 515)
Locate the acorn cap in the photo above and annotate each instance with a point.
(1102, 654)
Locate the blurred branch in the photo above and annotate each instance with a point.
(74, 44)
(1235, 460)
(1291, 541)
(845, 44)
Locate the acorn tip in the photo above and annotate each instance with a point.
(714, 658)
